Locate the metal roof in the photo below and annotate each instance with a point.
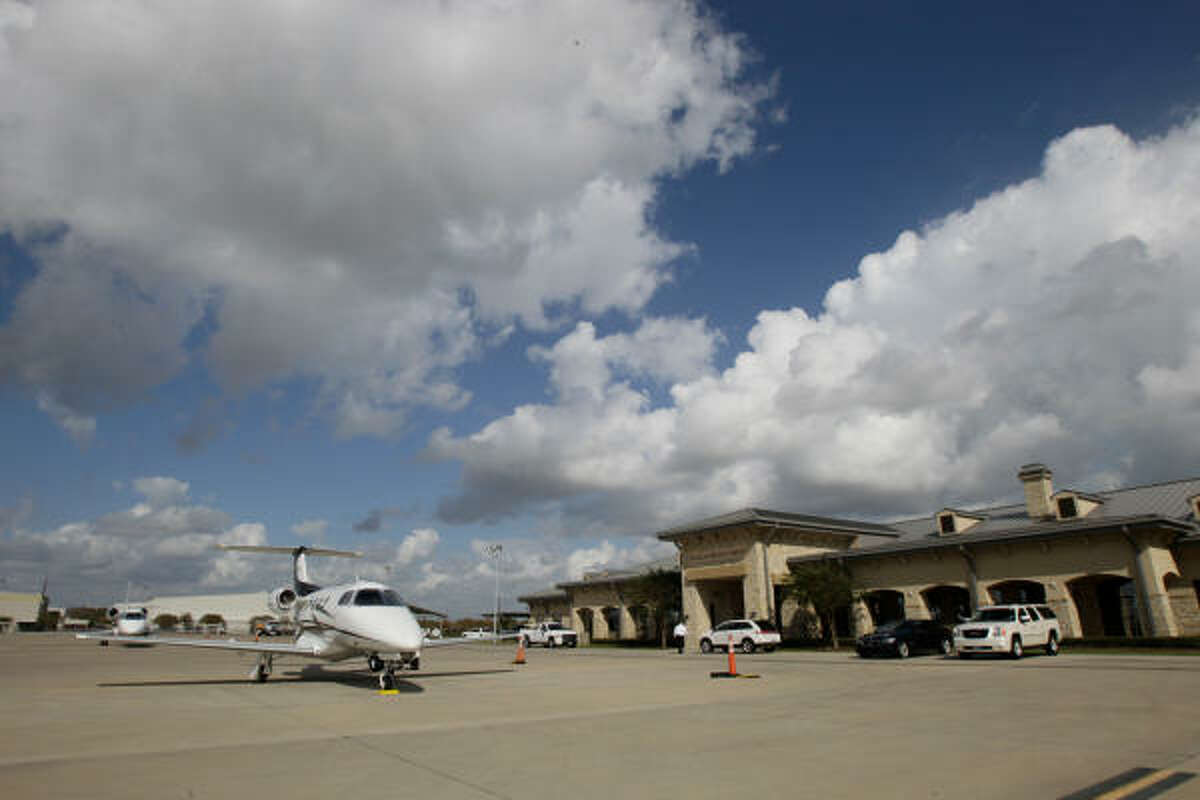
(974, 536)
(759, 516)
(668, 564)
(1168, 500)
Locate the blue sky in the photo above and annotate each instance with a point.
(470, 275)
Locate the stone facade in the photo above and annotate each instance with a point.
(1118, 563)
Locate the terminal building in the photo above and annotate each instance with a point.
(1124, 562)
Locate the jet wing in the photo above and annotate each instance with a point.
(427, 612)
(465, 640)
(276, 648)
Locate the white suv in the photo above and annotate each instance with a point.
(1008, 629)
(747, 634)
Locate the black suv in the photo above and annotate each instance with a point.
(907, 636)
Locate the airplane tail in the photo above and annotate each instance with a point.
(300, 579)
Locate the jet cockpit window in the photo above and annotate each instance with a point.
(133, 615)
(377, 597)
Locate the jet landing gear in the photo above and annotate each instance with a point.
(262, 668)
(386, 669)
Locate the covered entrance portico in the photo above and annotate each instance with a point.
(732, 566)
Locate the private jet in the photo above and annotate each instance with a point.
(334, 623)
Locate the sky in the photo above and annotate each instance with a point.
(420, 278)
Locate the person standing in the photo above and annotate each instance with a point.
(680, 634)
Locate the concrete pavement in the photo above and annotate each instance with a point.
(85, 721)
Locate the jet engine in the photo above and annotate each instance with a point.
(282, 599)
(112, 613)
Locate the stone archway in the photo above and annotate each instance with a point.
(612, 620)
(947, 604)
(1107, 605)
(1184, 598)
(885, 605)
(1017, 591)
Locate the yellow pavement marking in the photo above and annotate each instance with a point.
(1140, 783)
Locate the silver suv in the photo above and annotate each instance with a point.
(1008, 629)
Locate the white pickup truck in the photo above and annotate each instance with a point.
(1008, 629)
(550, 634)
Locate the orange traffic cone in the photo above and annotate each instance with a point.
(520, 659)
(732, 660)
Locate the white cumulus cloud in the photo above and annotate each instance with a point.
(1054, 320)
(365, 194)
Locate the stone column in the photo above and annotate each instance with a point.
(974, 588)
(1157, 615)
(697, 615)
(628, 626)
(600, 630)
(860, 618)
(753, 591)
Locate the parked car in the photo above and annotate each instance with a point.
(1008, 629)
(477, 633)
(747, 634)
(907, 636)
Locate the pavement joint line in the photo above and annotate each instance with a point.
(357, 740)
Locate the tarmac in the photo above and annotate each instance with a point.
(80, 720)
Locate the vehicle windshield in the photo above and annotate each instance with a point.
(888, 627)
(766, 627)
(133, 615)
(554, 626)
(377, 597)
(994, 615)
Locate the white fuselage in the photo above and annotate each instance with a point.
(132, 622)
(360, 618)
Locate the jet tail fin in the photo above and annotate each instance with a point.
(299, 563)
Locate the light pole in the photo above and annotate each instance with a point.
(495, 550)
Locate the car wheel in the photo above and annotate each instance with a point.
(550, 642)
(902, 649)
(1016, 650)
(1052, 645)
(705, 646)
(863, 654)
(769, 648)
(747, 645)
(947, 647)
(572, 642)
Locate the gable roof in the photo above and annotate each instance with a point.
(1164, 505)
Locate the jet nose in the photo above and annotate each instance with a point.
(399, 631)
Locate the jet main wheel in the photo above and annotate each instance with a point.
(260, 674)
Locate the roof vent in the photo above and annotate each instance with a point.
(950, 521)
(1038, 488)
(1069, 504)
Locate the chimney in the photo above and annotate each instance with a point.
(1036, 478)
